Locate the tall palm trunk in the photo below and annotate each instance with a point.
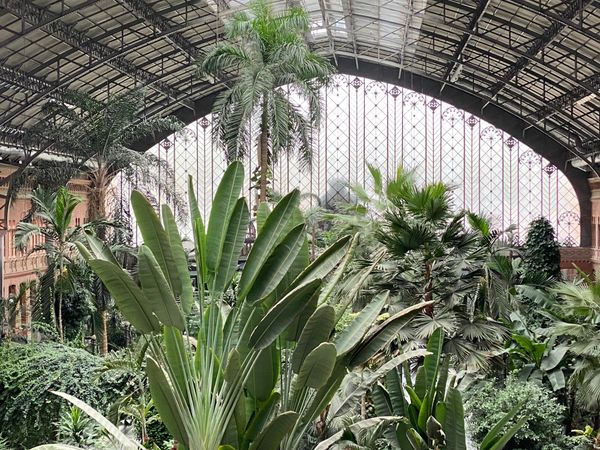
(263, 158)
(61, 332)
(97, 197)
(428, 288)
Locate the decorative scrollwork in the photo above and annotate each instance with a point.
(490, 135)
(530, 158)
(452, 115)
(414, 99)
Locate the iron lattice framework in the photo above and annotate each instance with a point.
(537, 59)
(369, 122)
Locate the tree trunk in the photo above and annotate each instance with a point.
(61, 334)
(104, 337)
(97, 198)
(428, 289)
(263, 159)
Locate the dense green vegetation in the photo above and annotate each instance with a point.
(393, 321)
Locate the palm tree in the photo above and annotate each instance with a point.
(575, 309)
(262, 52)
(55, 212)
(429, 254)
(95, 138)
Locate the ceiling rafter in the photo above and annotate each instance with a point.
(540, 43)
(68, 34)
(144, 11)
(466, 38)
(21, 81)
(349, 20)
(570, 98)
(326, 24)
(407, 21)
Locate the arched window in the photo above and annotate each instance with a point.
(369, 122)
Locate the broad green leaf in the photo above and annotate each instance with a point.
(413, 396)
(156, 290)
(264, 374)
(270, 235)
(99, 249)
(507, 436)
(358, 328)
(181, 261)
(415, 439)
(402, 434)
(494, 434)
(394, 387)
(324, 395)
(381, 400)
(317, 367)
(421, 385)
(262, 416)
(454, 425)
(325, 263)
(198, 230)
(554, 358)
(317, 330)
(121, 438)
(178, 357)
(278, 428)
(335, 278)
(232, 245)
(165, 401)
(353, 396)
(155, 237)
(234, 365)
(356, 427)
(277, 265)
(432, 361)
(424, 413)
(383, 334)
(557, 379)
(223, 205)
(128, 296)
(281, 315)
(294, 331)
(262, 213)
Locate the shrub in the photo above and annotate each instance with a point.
(29, 412)
(543, 430)
(542, 253)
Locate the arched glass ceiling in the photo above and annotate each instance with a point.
(537, 59)
(368, 122)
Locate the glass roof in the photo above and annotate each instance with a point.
(538, 59)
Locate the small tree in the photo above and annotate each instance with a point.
(542, 253)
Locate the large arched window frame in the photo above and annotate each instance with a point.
(370, 122)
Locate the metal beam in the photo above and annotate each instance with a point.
(539, 43)
(325, 16)
(144, 11)
(68, 34)
(464, 41)
(569, 98)
(349, 20)
(409, 16)
(21, 81)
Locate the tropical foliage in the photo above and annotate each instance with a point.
(51, 221)
(264, 57)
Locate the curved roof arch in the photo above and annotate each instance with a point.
(535, 59)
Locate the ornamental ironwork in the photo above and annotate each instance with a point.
(364, 122)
